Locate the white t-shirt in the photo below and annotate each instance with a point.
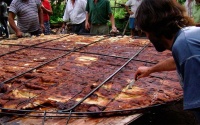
(77, 13)
(134, 4)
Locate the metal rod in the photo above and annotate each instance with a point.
(93, 54)
(44, 118)
(104, 81)
(28, 46)
(70, 113)
(125, 28)
(82, 114)
(54, 59)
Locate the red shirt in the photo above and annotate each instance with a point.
(47, 5)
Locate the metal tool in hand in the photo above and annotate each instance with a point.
(132, 82)
(130, 86)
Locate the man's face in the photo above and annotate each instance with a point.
(156, 41)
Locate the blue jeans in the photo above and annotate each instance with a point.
(47, 29)
(132, 23)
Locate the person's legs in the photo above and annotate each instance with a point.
(103, 29)
(82, 28)
(47, 30)
(36, 33)
(131, 26)
(94, 29)
(79, 28)
(75, 28)
(4, 23)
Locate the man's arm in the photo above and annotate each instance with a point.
(49, 11)
(167, 65)
(40, 14)
(11, 17)
(112, 20)
(87, 24)
(128, 10)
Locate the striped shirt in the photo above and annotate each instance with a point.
(27, 14)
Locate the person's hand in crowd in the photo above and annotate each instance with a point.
(63, 25)
(130, 12)
(87, 25)
(114, 30)
(19, 34)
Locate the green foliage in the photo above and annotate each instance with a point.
(196, 13)
(118, 8)
(181, 1)
(58, 7)
(120, 13)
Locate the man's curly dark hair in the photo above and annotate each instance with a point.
(162, 17)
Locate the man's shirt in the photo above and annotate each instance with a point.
(186, 53)
(76, 14)
(27, 14)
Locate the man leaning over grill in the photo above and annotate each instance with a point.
(98, 14)
(167, 26)
(76, 14)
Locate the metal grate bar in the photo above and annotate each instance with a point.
(78, 103)
(44, 118)
(90, 53)
(27, 46)
(70, 113)
(82, 114)
(75, 49)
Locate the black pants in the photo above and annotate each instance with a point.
(4, 23)
(79, 28)
(36, 33)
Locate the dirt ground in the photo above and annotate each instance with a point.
(167, 115)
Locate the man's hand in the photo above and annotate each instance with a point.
(142, 71)
(19, 34)
(114, 29)
(130, 12)
(87, 25)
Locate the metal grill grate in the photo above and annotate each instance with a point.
(73, 104)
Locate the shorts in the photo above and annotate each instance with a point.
(47, 29)
(132, 23)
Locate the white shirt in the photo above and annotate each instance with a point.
(134, 4)
(188, 5)
(75, 14)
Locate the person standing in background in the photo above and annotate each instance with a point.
(193, 10)
(4, 16)
(134, 4)
(29, 17)
(188, 6)
(47, 11)
(98, 14)
(76, 14)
